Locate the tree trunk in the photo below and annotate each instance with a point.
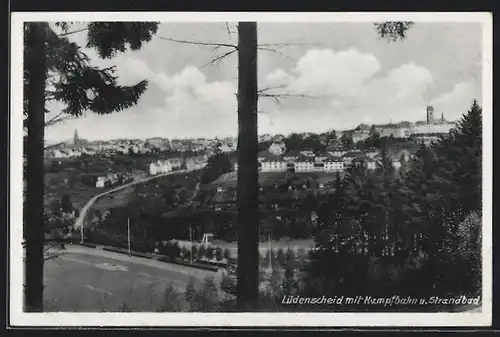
(248, 178)
(35, 169)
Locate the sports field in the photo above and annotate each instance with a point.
(89, 280)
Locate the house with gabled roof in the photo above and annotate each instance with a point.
(333, 164)
(276, 164)
(304, 164)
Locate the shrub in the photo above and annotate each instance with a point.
(228, 284)
(171, 301)
(280, 257)
(227, 254)
(194, 251)
(175, 250)
(219, 254)
(201, 252)
(206, 299)
(190, 290)
(210, 253)
(185, 253)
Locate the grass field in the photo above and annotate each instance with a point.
(90, 280)
(229, 180)
(116, 199)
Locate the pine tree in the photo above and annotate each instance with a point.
(190, 290)
(74, 81)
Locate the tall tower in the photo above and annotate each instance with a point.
(430, 114)
(75, 138)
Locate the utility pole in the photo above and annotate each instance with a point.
(247, 289)
(81, 232)
(128, 234)
(34, 220)
(270, 254)
(191, 245)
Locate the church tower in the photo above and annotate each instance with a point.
(430, 114)
(75, 138)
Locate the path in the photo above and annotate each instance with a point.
(90, 203)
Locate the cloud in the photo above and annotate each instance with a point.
(327, 72)
(354, 77)
(457, 101)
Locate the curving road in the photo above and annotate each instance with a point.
(90, 203)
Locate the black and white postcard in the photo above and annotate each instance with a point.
(251, 169)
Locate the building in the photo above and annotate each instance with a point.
(337, 151)
(396, 132)
(372, 152)
(265, 155)
(368, 163)
(425, 139)
(320, 157)
(161, 166)
(195, 164)
(101, 182)
(307, 153)
(396, 163)
(274, 165)
(430, 115)
(348, 157)
(304, 164)
(432, 129)
(291, 156)
(176, 163)
(360, 135)
(333, 164)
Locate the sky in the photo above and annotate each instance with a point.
(336, 75)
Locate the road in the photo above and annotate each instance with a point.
(90, 203)
(89, 280)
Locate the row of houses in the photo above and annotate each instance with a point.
(165, 166)
(174, 164)
(334, 161)
(74, 152)
(112, 179)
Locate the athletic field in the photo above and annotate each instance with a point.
(88, 280)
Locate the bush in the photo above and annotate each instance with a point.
(227, 254)
(175, 250)
(171, 301)
(185, 253)
(201, 252)
(280, 257)
(194, 252)
(205, 299)
(228, 284)
(219, 254)
(210, 253)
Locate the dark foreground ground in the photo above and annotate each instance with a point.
(89, 280)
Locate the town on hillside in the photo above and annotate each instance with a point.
(329, 155)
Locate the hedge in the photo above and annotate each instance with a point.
(125, 251)
(161, 258)
(89, 245)
(185, 263)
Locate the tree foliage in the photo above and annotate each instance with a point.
(57, 69)
(393, 30)
(394, 231)
(217, 165)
